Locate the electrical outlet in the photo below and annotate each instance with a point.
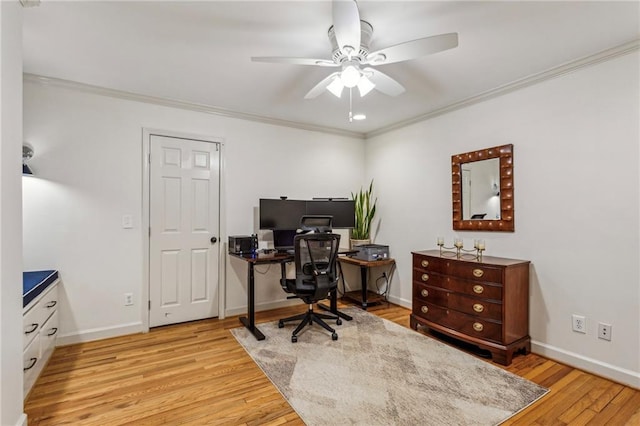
(578, 323)
(128, 299)
(604, 331)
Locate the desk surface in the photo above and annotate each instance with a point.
(366, 263)
(264, 257)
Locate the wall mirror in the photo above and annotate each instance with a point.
(482, 190)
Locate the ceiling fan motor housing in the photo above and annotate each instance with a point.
(366, 33)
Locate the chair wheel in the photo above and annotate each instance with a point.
(280, 324)
(294, 339)
(334, 336)
(338, 321)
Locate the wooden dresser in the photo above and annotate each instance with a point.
(484, 303)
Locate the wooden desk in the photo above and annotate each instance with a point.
(282, 258)
(257, 259)
(363, 296)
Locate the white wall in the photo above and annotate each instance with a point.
(10, 214)
(576, 152)
(88, 166)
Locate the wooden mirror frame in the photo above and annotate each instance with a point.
(507, 214)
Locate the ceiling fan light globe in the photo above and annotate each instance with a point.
(335, 87)
(365, 86)
(350, 76)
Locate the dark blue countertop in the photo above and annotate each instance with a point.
(35, 282)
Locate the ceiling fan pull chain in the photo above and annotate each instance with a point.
(350, 105)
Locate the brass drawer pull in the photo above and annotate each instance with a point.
(478, 289)
(478, 273)
(424, 309)
(477, 326)
(424, 263)
(478, 307)
(424, 292)
(425, 277)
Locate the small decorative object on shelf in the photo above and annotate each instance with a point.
(460, 252)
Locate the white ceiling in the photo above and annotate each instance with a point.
(199, 52)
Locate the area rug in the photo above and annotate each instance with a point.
(380, 373)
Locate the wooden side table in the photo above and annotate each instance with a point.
(364, 297)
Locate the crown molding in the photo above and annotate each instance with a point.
(192, 106)
(549, 74)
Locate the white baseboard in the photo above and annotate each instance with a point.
(22, 421)
(593, 366)
(81, 336)
(603, 369)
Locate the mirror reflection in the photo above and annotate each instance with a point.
(481, 190)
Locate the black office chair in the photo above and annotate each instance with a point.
(316, 277)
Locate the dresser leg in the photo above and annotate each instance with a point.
(413, 323)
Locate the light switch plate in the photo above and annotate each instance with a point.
(127, 221)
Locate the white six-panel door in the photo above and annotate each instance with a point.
(184, 225)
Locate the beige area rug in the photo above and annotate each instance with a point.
(380, 373)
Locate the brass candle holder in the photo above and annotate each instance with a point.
(459, 251)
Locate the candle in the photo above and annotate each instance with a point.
(480, 245)
(440, 241)
(458, 243)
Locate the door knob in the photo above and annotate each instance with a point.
(214, 240)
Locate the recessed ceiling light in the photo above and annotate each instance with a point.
(359, 117)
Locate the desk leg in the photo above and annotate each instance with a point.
(250, 323)
(363, 280)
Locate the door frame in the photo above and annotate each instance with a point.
(144, 221)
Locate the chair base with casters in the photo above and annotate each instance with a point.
(309, 318)
(316, 278)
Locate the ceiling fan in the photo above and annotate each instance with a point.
(350, 37)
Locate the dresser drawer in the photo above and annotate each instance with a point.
(491, 291)
(432, 264)
(31, 363)
(476, 271)
(477, 307)
(429, 294)
(467, 324)
(48, 336)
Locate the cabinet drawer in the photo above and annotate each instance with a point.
(492, 291)
(429, 294)
(470, 270)
(31, 363)
(31, 324)
(48, 336)
(49, 302)
(467, 324)
(433, 264)
(477, 307)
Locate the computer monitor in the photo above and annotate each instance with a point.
(281, 214)
(283, 239)
(342, 211)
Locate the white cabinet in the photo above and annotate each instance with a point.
(40, 325)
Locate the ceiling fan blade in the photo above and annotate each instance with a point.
(296, 61)
(383, 82)
(346, 24)
(321, 87)
(413, 49)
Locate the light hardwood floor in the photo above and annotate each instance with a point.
(196, 373)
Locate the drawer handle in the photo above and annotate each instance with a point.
(424, 309)
(424, 292)
(53, 331)
(425, 277)
(34, 327)
(478, 273)
(51, 304)
(477, 326)
(478, 289)
(478, 307)
(424, 263)
(33, 362)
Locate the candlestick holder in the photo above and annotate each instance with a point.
(459, 251)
